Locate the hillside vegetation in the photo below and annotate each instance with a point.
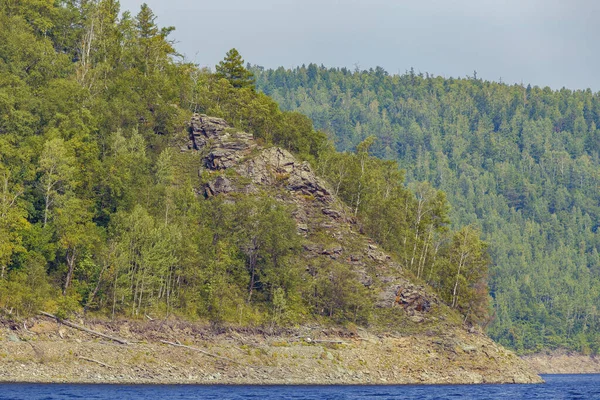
(519, 163)
(109, 205)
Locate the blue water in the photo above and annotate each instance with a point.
(585, 387)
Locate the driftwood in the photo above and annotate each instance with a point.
(84, 329)
(39, 353)
(95, 361)
(200, 351)
(309, 340)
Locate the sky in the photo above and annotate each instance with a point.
(539, 42)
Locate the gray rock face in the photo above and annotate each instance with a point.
(413, 299)
(203, 128)
(268, 167)
(303, 179)
(275, 165)
(224, 148)
(227, 148)
(218, 186)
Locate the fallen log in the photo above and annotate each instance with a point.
(83, 328)
(95, 361)
(200, 351)
(309, 340)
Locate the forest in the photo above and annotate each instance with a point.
(101, 213)
(519, 163)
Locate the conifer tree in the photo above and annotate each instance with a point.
(232, 68)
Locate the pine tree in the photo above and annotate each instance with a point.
(232, 68)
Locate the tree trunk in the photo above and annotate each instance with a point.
(91, 298)
(463, 259)
(114, 294)
(71, 265)
(46, 207)
(252, 261)
(252, 277)
(423, 258)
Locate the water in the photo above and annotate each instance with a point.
(584, 387)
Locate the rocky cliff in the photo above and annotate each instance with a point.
(276, 170)
(403, 307)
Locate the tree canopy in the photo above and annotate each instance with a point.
(101, 213)
(232, 68)
(519, 163)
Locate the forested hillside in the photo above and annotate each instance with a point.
(520, 163)
(109, 206)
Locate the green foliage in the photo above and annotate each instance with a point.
(258, 114)
(99, 213)
(463, 274)
(12, 220)
(26, 290)
(338, 294)
(232, 68)
(520, 164)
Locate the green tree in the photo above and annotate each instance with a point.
(77, 233)
(338, 293)
(232, 68)
(12, 219)
(266, 235)
(56, 166)
(464, 284)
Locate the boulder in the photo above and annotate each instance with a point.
(202, 128)
(218, 186)
(335, 214)
(413, 299)
(224, 147)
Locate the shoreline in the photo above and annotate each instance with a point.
(52, 353)
(561, 362)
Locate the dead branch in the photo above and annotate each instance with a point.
(83, 328)
(200, 351)
(95, 361)
(38, 352)
(309, 340)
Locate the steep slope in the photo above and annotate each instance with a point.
(330, 232)
(235, 163)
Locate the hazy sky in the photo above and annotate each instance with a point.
(543, 42)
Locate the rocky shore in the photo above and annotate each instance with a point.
(49, 352)
(562, 362)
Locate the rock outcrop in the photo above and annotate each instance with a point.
(225, 148)
(234, 162)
